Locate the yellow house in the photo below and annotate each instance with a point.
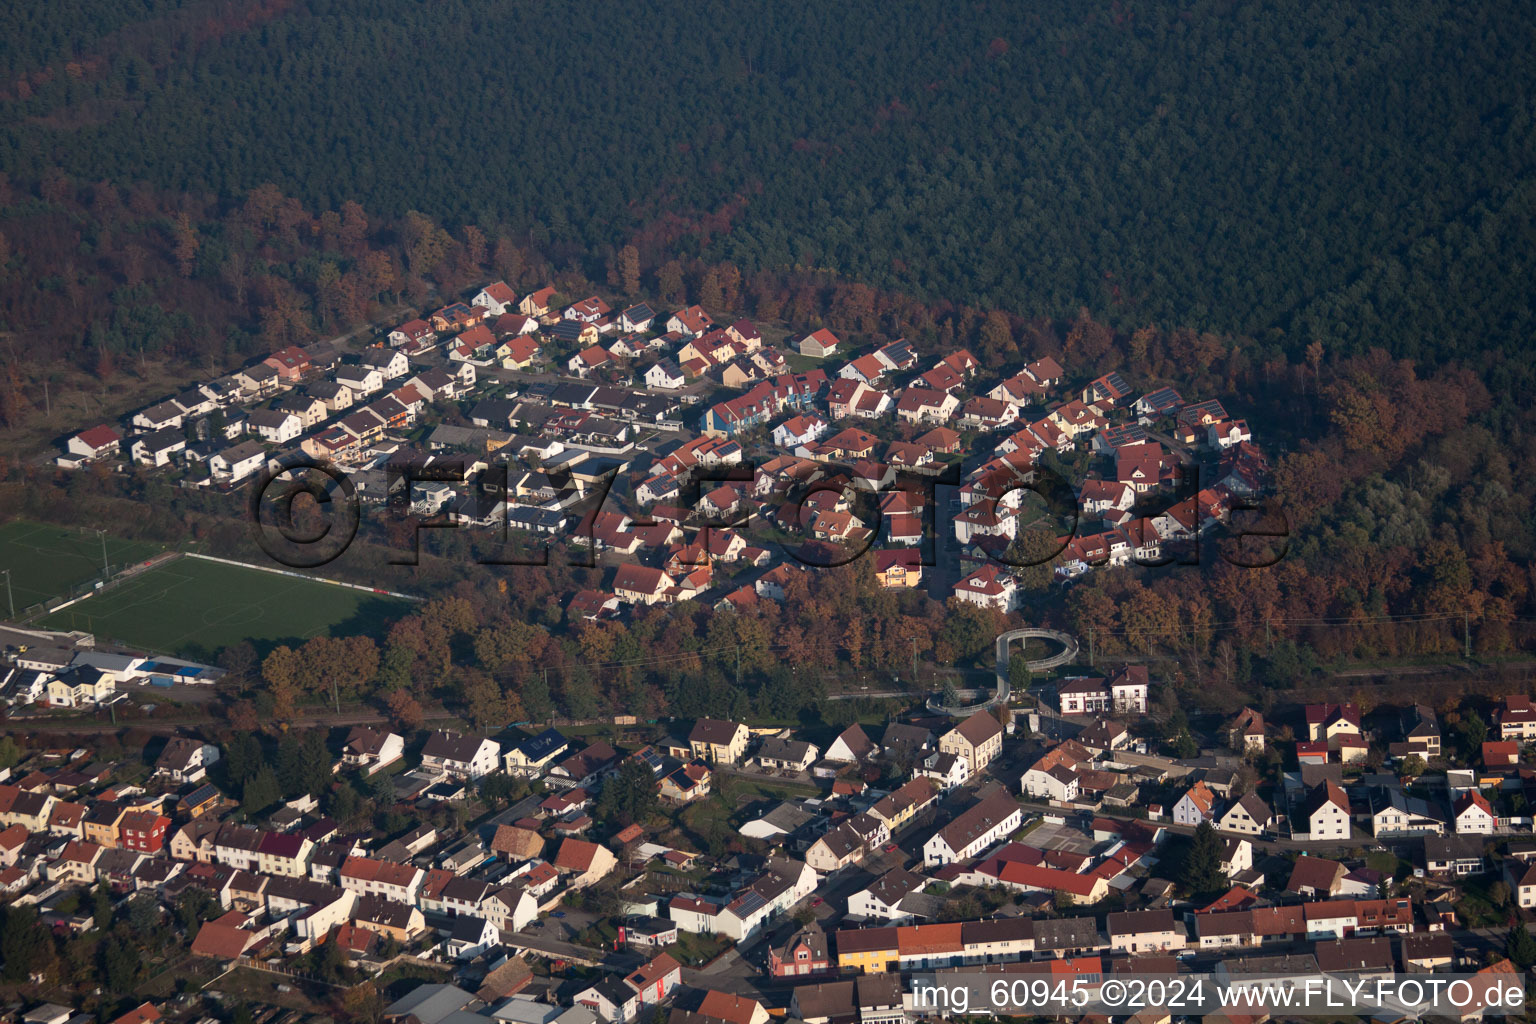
(898, 568)
(977, 741)
(101, 821)
(900, 807)
(867, 950)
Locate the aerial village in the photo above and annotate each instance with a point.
(729, 872)
(716, 871)
(674, 448)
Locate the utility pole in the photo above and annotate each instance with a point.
(738, 666)
(1466, 630)
(9, 595)
(914, 659)
(1267, 644)
(335, 695)
(105, 568)
(1090, 647)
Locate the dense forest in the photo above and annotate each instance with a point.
(1357, 174)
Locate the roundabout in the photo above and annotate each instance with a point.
(1004, 644)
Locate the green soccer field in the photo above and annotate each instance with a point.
(45, 561)
(191, 608)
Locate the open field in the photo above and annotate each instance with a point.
(192, 608)
(45, 560)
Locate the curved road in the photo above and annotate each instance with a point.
(1004, 644)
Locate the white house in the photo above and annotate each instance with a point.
(96, 443)
(798, 430)
(159, 448)
(665, 376)
(1249, 816)
(391, 363)
(1327, 813)
(995, 817)
(882, 899)
(989, 587)
(361, 380)
(235, 464)
(1196, 805)
(464, 756)
(1473, 814)
(399, 883)
(1056, 783)
(275, 426)
(371, 749)
(496, 297)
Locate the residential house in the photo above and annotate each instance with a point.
(186, 760)
(99, 442)
(1516, 718)
(1245, 732)
(803, 954)
(366, 876)
(469, 757)
(1196, 805)
(977, 741)
(719, 742)
(851, 745)
(1144, 932)
(586, 863)
(1327, 813)
(1248, 815)
(988, 587)
(1472, 814)
(372, 749)
(1125, 692)
(995, 816)
(237, 463)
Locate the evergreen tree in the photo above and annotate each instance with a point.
(1202, 865)
(242, 758)
(629, 796)
(1521, 947)
(260, 792)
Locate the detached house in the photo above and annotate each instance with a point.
(275, 426)
(1249, 816)
(362, 380)
(1196, 805)
(157, 449)
(416, 333)
(1516, 718)
(719, 742)
(371, 749)
(186, 760)
(586, 863)
(237, 463)
(467, 757)
(989, 587)
(1125, 692)
(496, 297)
(819, 344)
(1472, 814)
(98, 442)
(1327, 813)
(977, 741)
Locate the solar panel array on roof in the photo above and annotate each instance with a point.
(749, 903)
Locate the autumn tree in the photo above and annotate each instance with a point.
(629, 270)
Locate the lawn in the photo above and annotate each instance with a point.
(191, 608)
(46, 561)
